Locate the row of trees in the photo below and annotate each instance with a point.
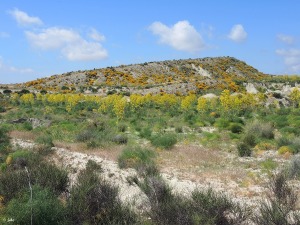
(118, 104)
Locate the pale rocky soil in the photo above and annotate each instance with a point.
(184, 168)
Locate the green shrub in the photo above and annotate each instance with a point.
(120, 139)
(295, 145)
(269, 165)
(280, 205)
(2, 109)
(45, 208)
(203, 207)
(14, 179)
(235, 128)
(140, 159)
(267, 131)
(260, 129)
(290, 130)
(11, 183)
(284, 149)
(293, 169)
(49, 176)
(122, 127)
(244, 149)
(222, 123)
(45, 140)
(4, 141)
(215, 207)
(94, 201)
(178, 129)
(166, 140)
(146, 132)
(85, 135)
(283, 141)
(27, 126)
(93, 166)
(249, 139)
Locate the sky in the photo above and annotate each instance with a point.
(43, 38)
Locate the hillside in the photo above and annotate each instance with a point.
(171, 76)
(153, 156)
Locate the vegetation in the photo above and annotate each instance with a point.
(143, 128)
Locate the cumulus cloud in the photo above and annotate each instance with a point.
(52, 38)
(291, 58)
(181, 36)
(24, 19)
(5, 68)
(84, 51)
(287, 39)
(95, 35)
(237, 33)
(71, 44)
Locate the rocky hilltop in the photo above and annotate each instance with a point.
(171, 76)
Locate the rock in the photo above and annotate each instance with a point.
(39, 123)
(286, 90)
(209, 96)
(20, 120)
(119, 139)
(251, 89)
(201, 71)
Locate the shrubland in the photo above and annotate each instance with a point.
(144, 126)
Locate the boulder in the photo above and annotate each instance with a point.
(251, 89)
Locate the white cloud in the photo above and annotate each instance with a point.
(52, 38)
(237, 33)
(181, 36)
(95, 35)
(24, 19)
(5, 68)
(286, 38)
(70, 43)
(84, 51)
(291, 58)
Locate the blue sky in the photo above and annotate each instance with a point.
(42, 38)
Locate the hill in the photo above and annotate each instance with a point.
(172, 76)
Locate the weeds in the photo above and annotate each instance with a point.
(140, 159)
(166, 141)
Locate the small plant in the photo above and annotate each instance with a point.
(4, 141)
(2, 109)
(280, 206)
(249, 139)
(244, 149)
(45, 140)
(27, 126)
(222, 123)
(284, 150)
(138, 158)
(293, 169)
(166, 141)
(44, 209)
(260, 129)
(85, 135)
(178, 129)
(93, 166)
(269, 165)
(235, 128)
(146, 133)
(122, 128)
(94, 201)
(120, 139)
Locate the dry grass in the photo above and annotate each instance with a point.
(200, 164)
(25, 135)
(110, 153)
